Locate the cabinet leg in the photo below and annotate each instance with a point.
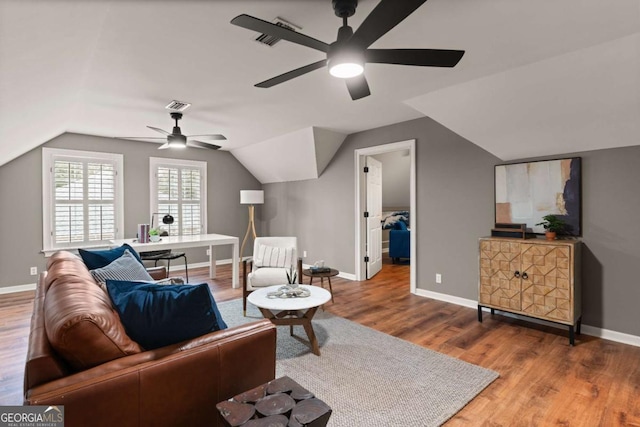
(480, 313)
(579, 325)
(493, 312)
(572, 339)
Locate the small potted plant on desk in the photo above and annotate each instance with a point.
(552, 225)
(154, 235)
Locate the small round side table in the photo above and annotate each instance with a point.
(328, 274)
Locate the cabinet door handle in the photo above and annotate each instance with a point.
(525, 276)
(516, 274)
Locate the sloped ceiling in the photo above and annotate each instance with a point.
(575, 101)
(563, 72)
(296, 156)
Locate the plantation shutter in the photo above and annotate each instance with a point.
(179, 193)
(84, 208)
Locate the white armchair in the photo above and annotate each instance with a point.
(272, 259)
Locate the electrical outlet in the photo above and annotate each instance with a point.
(438, 278)
(304, 254)
(33, 271)
(208, 252)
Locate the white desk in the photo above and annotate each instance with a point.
(183, 242)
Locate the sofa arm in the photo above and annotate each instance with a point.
(173, 385)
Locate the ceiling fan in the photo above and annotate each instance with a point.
(176, 139)
(348, 54)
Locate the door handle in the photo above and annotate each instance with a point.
(516, 274)
(525, 276)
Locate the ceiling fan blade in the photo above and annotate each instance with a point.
(358, 87)
(386, 15)
(255, 24)
(164, 146)
(141, 137)
(420, 57)
(292, 74)
(164, 132)
(216, 137)
(201, 144)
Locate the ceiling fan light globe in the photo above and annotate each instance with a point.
(346, 70)
(177, 144)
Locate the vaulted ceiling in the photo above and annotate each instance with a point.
(537, 78)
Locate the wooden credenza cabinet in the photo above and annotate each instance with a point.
(532, 277)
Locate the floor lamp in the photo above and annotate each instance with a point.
(251, 198)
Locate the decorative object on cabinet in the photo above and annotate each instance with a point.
(552, 225)
(526, 192)
(516, 231)
(534, 278)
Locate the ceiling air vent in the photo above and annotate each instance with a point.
(270, 40)
(177, 105)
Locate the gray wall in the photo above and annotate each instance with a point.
(454, 205)
(610, 236)
(21, 192)
(396, 173)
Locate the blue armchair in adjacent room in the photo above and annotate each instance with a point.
(399, 242)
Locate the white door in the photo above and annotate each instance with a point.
(374, 209)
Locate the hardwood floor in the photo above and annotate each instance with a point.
(543, 381)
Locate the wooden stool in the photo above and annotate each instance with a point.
(278, 403)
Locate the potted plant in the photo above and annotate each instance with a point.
(292, 275)
(552, 225)
(154, 235)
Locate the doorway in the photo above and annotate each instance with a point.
(361, 224)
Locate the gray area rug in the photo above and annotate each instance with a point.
(369, 378)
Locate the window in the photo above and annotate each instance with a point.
(178, 188)
(82, 198)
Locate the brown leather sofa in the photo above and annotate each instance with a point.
(79, 356)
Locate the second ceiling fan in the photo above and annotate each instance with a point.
(176, 139)
(348, 54)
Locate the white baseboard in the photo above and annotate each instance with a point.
(593, 331)
(347, 276)
(341, 274)
(18, 288)
(180, 267)
(608, 334)
(177, 267)
(585, 329)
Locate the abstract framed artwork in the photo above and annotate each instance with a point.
(525, 192)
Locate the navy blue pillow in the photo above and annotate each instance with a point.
(100, 258)
(158, 315)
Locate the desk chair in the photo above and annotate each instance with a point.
(165, 255)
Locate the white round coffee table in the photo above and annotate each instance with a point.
(291, 311)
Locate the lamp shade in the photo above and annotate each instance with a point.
(251, 197)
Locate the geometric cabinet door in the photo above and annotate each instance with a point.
(547, 292)
(499, 285)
